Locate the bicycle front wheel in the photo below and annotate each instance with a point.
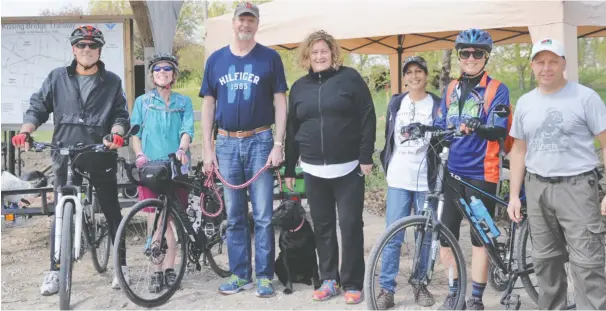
(377, 277)
(151, 253)
(66, 258)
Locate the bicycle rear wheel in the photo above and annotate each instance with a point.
(152, 256)
(66, 258)
(97, 233)
(418, 224)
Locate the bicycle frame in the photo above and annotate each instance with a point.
(77, 201)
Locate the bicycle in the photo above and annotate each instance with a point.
(196, 229)
(501, 254)
(81, 203)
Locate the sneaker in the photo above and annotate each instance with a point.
(116, 283)
(352, 296)
(385, 300)
(265, 288)
(475, 303)
(450, 303)
(170, 277)
(234, 285)
(156, 283)
(50, 286)
(328, 289)
(423, 297)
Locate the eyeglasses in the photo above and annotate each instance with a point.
(412, 111)
(92, 46)
(477, 54)
(165, 68)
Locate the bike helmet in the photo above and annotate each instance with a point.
(164, 57)
(87, 32)
(36, 178)
(475, 38)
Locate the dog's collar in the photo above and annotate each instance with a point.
(300, 225)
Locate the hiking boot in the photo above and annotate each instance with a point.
(450, 303)
(423, 297)
(156, 283)
(170, 277)
(328, 289)
(385, 300)
(475, 303)
(352, 296)
(234, 285)
(116, 283)
(265, 288)
(50, 286)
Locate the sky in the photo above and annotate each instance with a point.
(33, 7)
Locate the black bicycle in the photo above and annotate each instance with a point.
(507, 258)
(169, 227)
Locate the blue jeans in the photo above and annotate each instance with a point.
(239, 160)
(399, 203)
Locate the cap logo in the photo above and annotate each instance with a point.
(248, 5)
(546, 41)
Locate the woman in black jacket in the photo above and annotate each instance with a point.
(331, 125)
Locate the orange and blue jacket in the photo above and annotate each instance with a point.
(472, 156)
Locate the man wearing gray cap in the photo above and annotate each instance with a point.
(246, 84)
(554, 127)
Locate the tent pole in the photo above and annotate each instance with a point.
(400, 50)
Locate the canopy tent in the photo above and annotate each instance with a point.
(400, 28)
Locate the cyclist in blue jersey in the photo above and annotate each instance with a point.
(473, 157)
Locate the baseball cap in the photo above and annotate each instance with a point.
(247, 7)
(414, 60)
(547, 44)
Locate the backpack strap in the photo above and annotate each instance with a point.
(451, 87)
(490, 93)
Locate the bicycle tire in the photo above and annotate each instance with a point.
(522, 264)
(213, 265)
(374, 257)
(66, 258)
(100, 266)
(181, 236)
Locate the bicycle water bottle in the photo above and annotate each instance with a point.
(184, 169)
(484, 221)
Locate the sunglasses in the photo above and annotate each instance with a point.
(92, 46)
(165, 68)
(478, 54)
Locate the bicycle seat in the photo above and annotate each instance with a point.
(99, 165)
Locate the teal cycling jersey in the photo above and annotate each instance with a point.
(162, 127)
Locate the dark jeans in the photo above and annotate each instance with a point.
(107, 194)
(347, 192)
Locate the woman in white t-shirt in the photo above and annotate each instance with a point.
(406, 168)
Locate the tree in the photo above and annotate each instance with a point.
(68, 10)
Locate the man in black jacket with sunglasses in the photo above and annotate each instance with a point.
(89, 107)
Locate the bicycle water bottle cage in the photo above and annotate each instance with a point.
(475, 222)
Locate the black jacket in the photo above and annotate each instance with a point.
(390, 123)
(331, 119)
(75, 121)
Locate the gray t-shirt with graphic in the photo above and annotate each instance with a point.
(85, 83)
(559, 129)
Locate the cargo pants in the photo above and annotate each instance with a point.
(566, 225)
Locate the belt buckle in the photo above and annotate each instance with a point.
(238, 133)
(555, 180)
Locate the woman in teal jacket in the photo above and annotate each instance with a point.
(167, 126)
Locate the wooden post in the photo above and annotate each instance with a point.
(129, 74)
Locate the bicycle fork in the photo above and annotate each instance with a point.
(59, 224)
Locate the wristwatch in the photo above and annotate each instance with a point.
(278, 143)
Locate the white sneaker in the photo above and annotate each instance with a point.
(116, 283)
(51, 284)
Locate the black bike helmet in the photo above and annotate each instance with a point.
(87, 32)
(36, 178)
(474, 38)
(163, 57)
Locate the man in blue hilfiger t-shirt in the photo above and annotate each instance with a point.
(244, 90)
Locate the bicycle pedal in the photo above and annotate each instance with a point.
(513, 302)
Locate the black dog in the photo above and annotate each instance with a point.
(297, 261)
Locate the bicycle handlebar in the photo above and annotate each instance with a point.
(38, 147)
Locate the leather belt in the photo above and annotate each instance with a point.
(244, 134)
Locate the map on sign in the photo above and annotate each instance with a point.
(31, 51)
